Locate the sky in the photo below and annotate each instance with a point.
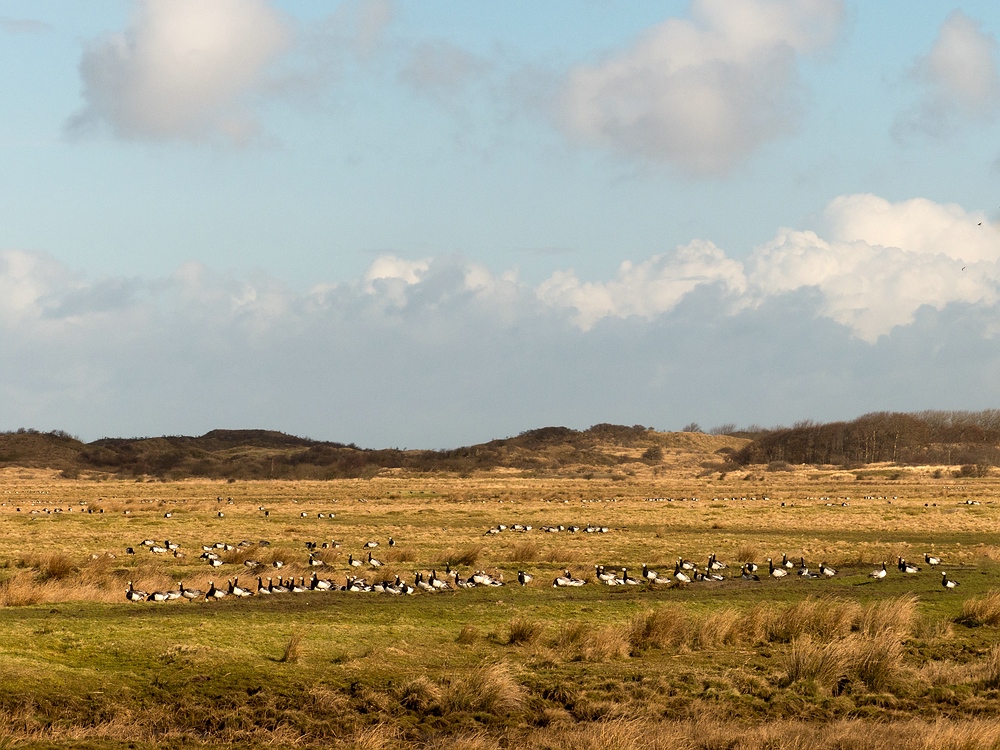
(426, 224)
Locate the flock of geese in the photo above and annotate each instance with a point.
(684, 572)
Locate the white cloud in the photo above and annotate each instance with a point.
(702, 94)
(959, 80)
(647, 289)
(184, 69)
(439, 351)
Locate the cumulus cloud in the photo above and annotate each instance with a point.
(647, 289)
(184, 69)
(702, 94)
(959, 80)
(440, 351)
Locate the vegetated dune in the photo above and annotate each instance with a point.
(264, 454)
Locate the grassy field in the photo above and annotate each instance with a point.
(841, 662)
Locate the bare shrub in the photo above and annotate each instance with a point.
(523, 631)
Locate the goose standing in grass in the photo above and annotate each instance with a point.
(775, 572)
(931, 560)
(947, 582)
(826, 570)
(133, 594)
(214, 593)
(373, 562)
(190, 594)
(679, 575)
(524, 578)
(236, 590)
(627, 579)
(352, 562)
(905, 567)
(318, 584)
(879, 573)
(649, 575)
(605, 577)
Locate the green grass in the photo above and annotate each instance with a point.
(512, 666)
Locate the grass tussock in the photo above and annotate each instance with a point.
(490, 689)
(398, 555)
(522, 631)
(293, 649)
(582, 641)
(982, 611)
(663, 628)
(468, 635)
(524, 552)
(467, 556)
(876, 662)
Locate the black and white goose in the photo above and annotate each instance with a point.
(931, 560)
(261, 588)
(748, 575)
(319, 584)
(947, 582)
(906, 567)
(679, 575)
(627, 579)
(605, 577)
(826, 570)
(373, 562)
(238, 591)
(524, 578)
(775, 572)
(879, 573)
(214, 593)
(714, 564)
(786, 563)
(190, 594)
(567, 579)
(352, 562)
(804, 571)
(133, 594)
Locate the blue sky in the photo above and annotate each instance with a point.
(431, 223)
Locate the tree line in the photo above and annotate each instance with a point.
(926, 437)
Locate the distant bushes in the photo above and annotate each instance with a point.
(968, 438)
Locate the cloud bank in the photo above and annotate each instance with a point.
(873, 311)
(702, 94)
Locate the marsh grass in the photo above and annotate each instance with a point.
(293, 649)
(467, 556)
(981, 611)
(522, 631)
(524, 552)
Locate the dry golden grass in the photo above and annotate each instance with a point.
(983, 610)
